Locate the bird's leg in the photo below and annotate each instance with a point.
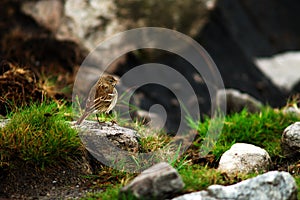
(98, 118)
(111, 121)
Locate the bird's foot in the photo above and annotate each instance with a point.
(113, 122)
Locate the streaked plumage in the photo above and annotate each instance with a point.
(102, 97)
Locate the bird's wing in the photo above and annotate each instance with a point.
(103, 97)
(89, 105)
(114, 99)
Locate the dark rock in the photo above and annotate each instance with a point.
(150, 119)
(235, 35)
(237, 101)
(151, 94)
(158, 182)
(296, 88)
(231, 37)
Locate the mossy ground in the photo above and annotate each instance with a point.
(39, 136)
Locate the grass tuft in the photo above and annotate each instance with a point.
(297, 179)
(197, 177)
(263, 129)
(40, 136)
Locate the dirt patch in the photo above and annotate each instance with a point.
(56, 182)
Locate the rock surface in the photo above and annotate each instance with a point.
(47, 13)
(157, 182)
(272, 185)
(292, 110)
(236, 101)
(290, 140)
(108, 143)
(244, 158)
(84, 22)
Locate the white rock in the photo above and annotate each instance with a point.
(244, 158)
(283, 69)
(272, 185)
(290, 140)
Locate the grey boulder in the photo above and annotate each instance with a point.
(157, 182)
(236, 101)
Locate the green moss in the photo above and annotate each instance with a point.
(297, 179)
(39, 135)
(263, 129)
(197, 177)
(110, 193)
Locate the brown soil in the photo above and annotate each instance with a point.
(56, 182)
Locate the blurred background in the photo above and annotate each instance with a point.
(254, 43)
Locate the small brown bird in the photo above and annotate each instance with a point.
(102, 97)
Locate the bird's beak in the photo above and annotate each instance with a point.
(117, 79)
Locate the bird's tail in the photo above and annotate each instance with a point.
(80, 120)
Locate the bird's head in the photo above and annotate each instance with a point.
(110, 80)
